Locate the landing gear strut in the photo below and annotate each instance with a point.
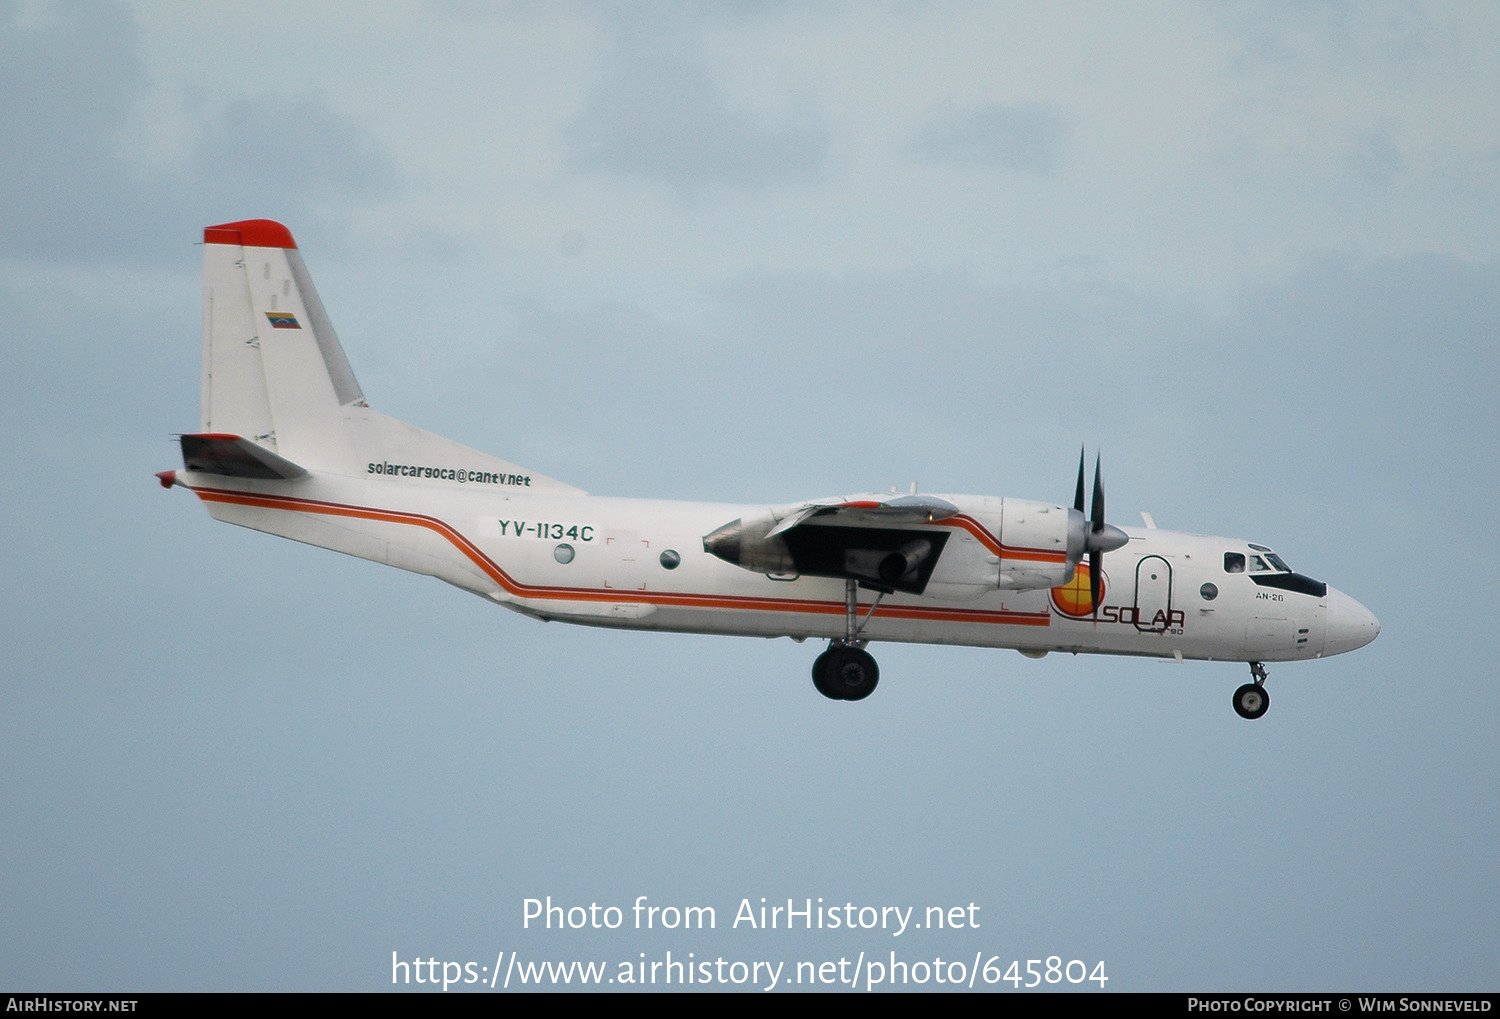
(846, 671)
(1251, 700)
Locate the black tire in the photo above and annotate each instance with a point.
(851, 672)
(823, 678)
(1251, 701)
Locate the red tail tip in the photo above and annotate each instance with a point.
(251, 233)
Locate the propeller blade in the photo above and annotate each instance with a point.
(1096, 514)
(1078, 498)
(1096, 579)
(1092, 537)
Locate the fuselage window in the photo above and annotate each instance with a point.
(1234, 562)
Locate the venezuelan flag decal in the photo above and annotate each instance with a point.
(282, 320)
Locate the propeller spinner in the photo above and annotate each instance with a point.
(1093, 536)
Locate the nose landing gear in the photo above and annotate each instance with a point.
(1251, 700)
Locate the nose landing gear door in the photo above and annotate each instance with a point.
(1153, 594)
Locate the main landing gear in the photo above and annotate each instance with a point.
(846, 671)
(1251, 700)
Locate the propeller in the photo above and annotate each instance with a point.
(1097, 536)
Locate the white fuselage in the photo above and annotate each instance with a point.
(640, 564)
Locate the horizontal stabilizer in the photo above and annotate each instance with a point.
(235, 457)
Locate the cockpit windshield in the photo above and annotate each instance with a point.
(1268, 569)
(1267, 560)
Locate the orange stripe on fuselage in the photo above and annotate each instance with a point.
(989, 541)
(613, 595)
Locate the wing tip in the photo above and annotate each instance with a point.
(250, 233)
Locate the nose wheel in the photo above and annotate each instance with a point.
(1251, 700)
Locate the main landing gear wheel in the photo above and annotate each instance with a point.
(845, 673)
(1251, 701)
(821, 677)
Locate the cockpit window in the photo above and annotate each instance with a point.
(1277, 563)
(1267, 562)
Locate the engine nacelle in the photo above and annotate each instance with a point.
(744, 542)
(1040, 544)
(904, 561)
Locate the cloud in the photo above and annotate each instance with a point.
(290, 152)
(1376, 157)
(69, 79)
(74, 79)
(1024, 137)
(657, 116)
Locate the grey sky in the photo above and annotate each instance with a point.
(1026, 137)
(656, 115)
(754, 252)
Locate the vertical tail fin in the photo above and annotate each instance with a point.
(275, 374)
(273, 370)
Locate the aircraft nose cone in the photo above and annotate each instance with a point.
(1350, 624)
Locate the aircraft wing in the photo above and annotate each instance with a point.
(870, 511)
(880, 541)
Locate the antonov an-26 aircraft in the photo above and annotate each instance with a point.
(288, 445)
